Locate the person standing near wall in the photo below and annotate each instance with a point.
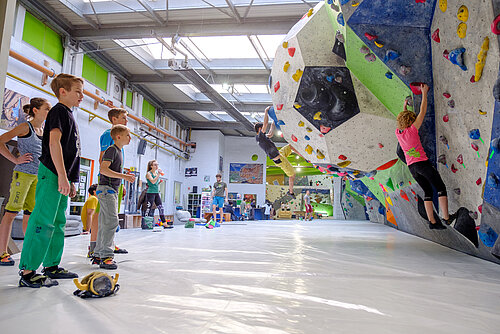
(153, 192)
(89, 208)
(219, 195)
(308, 206)
(267, 210)
(24, 177)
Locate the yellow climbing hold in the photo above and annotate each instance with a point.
(297, 106)
(355, 4)
(481, 60)
(380, 45)
(286, 66)
(309, 12)
(285, 45)
(297, 75)
(462, 30)
(308, 129)
(480, 111)
(344, 164)
(317, 116)
(443, 4)
(301, 123)
(463, 14)
(389, 200)
(309, 149)
(319, 154)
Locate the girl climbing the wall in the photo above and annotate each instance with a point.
(24, 177)
(420, 167)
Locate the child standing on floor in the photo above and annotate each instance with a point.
(107, 193)
(115, 116)
(153, 193)
(59, 165)
(88, 214)
(24, 180)
(420, 167)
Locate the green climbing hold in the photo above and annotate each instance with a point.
(255, 157)
(389, 184)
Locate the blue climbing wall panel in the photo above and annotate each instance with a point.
(491, 190)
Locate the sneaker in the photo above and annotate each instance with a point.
(437, 226)
(6, 260)
(450, 219)
(36, 281)
(166, 225)
(58, 272)
(120, 250)
(108, 263)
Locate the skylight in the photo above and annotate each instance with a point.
(216, 116)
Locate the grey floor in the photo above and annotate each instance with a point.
(268, 277)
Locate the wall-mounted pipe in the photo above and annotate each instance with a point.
(108, 103)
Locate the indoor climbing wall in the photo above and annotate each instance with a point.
(374, 55)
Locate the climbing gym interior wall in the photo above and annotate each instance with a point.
(341, 77)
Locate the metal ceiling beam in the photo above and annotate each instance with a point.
(234, 10)
(199, 82)
(248, 10)
(150, 10)
(258, 53)
(218, 125)
(192, 106)
(231, 79)
(267, 26)
(80, 14)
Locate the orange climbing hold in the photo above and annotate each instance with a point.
(387, 165)
(443, 4)
(389, 215)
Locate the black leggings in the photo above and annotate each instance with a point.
(156, 199)
(427, 176)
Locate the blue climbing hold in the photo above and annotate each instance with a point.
(391, 55)
(330, 2)
(343, 2)
(270, 81)
(381, 210)
(307, 138)
(350, 204)
(457, 57)
(493, 180)
(487, 235)
(474, 134)
(340, 19)
(280, 122)
(272, 114)
(329, 78)
(388, 75)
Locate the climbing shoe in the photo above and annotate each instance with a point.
(95, 260)
(120, 250)
(437, 226)
(34, 280)
(450, 219)
(291, 194)
(58, 272)
(6, 260)
(108, 263)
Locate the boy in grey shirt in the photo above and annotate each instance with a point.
(219, 195)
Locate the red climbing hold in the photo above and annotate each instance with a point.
(416, 88)
(480, 208)
(276, 86)
(413, 192)
(494, 25)
(321, 135)
(474, 147)
(342, 157)
(446, 54)
(453, 168)
(370, 36)
(460, 159)
(447, 95)
(279, 106)
(387, 165)
(446, 118)
(403, 195)
(294, 138)
(479, 181)
(435, 36)
(420, 1)
(291, 51)
(473, 78)
(324, 129)
(380, 145)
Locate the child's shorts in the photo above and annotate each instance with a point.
(22, 193)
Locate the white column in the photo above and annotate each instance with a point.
(7, 17)
(337, 207)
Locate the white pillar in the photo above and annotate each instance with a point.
(337, 207)
(7, 17)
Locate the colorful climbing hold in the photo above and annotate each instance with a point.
(279, 106)
(364, 50)
(391, 55)
(370, 58)
(301, 123)
(324, 129)
(453, 168)
(451, 104)
(443, 4)
(462, 30)
(457, 191)
(294, 138)
(310, 12)
(456, 57)
(342, 157)
(390, 184)
(320, 154)
(317, 116)
(370, 37)
(388, 75)
(446, 118)
(340, 19)
(447, 95)
(404, 70)
(446, 54)
(307, 138)
(460, 160)
(482, 112)
(380, 145)
(479, 181)
(285, 45)
(475, 134)
(435, 36)
(379, 44)
(297, 75)
(442, 159)
(286, 66)
(403, 195)
(308, 129)
(387, 165)
(355, 4)
(276, 86)
(481, 59)
(344, 164)
(463, 13)
(416, 87)
(291, 51)
(495, 25)
(444, 140)
(296, 106)
(309, 149)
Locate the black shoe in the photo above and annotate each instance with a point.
(108, 263)
(95, 260)
(58, 272)
(36, 281)
(450, 219)
(437, 226)
(120, 251)
(291, 194)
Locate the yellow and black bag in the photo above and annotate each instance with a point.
(96, 285)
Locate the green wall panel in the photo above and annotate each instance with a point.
(40, 36)
(148, 111)
(94, 73)
(128, 99)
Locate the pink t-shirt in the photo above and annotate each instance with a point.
(410, 143)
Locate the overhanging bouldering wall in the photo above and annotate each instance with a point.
(379, 51)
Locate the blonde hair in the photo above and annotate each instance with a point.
(65, 81)
(118, 130)
(36, 102)
(405, 119)
(115, 112)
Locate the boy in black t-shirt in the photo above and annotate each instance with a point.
(60, 165)
(107, 193)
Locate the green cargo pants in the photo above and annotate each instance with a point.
(44, 239)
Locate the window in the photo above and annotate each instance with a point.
(95, 73)
(128, 98)
(40, 36)
(148, 111)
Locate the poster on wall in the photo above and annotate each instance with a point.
(12, 109)
(192, 171)
(246, 173)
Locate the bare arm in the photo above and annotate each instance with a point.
(18, 131)
(90, 218)
(423, 107)
(271, 131)
(153, 180)
(265, 123)
(100, 156)
(105, 170)
(57, 157)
